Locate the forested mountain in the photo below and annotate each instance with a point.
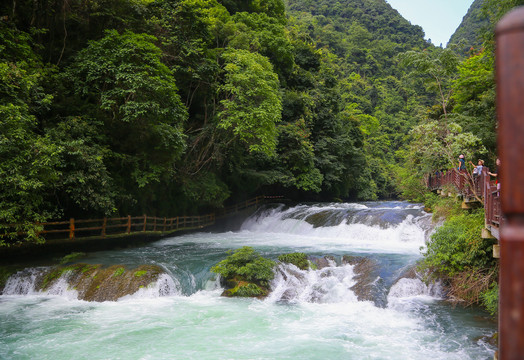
(472, 27)
(173, 107)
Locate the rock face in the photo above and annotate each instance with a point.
(323, 262)
(366, 275)
(95, 283)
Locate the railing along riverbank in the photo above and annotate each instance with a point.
(478, 189)
(131, 225)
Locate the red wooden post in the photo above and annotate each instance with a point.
(145, 223)
(510, 112)
(71, 229)
(128, 224)
(104, 227)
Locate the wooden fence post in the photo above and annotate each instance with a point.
(128, 224)
(104, 224)
(145, 223)
(71, 229)
(165, 224)
(154, 224)
(510, 112)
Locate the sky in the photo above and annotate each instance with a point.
(438, 18)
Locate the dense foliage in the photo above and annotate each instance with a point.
(245, 273)
(170, 107)
(460, 256)
(116, 107)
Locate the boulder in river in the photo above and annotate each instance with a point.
(96, 283)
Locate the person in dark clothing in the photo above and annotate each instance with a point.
(462, 163)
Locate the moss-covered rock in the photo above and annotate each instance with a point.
(95, 283)
(245, 289)
(245, 273)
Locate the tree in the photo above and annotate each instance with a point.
(28, 159)
(251, 104)
(474, 98)
(439, 66)
(123, 83)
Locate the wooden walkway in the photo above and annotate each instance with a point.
(480, 190)
(132, 225)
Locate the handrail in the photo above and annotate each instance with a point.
(479, 188)
(121, 226)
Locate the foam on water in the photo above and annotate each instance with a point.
(23, 282)
(329, 285)
(407, 291)
(164, 286)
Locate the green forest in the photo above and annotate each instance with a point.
(171, 107)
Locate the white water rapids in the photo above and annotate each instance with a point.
(312, 314)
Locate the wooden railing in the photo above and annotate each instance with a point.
(121, 226)
(472, 189)
(104, 227)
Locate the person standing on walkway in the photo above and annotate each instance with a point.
(462, 163)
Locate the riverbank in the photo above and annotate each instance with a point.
(459, 255)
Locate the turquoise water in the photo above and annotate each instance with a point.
(309, 315)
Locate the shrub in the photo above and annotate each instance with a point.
(457, 245)
(246, 264)
(490, 298)
(298, 259)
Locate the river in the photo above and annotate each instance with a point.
(309, 315)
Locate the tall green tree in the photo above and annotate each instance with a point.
(251, 104)
(134, 97)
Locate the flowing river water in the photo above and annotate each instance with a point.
(308, 315)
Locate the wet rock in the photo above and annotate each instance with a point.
(241, 288)
(323, 262)
(367, 279)
(409, 273)
(95, 283)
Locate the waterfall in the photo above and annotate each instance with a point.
(24, 282)
(400, 229)
(164, 286)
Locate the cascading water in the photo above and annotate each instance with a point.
(363, 301)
